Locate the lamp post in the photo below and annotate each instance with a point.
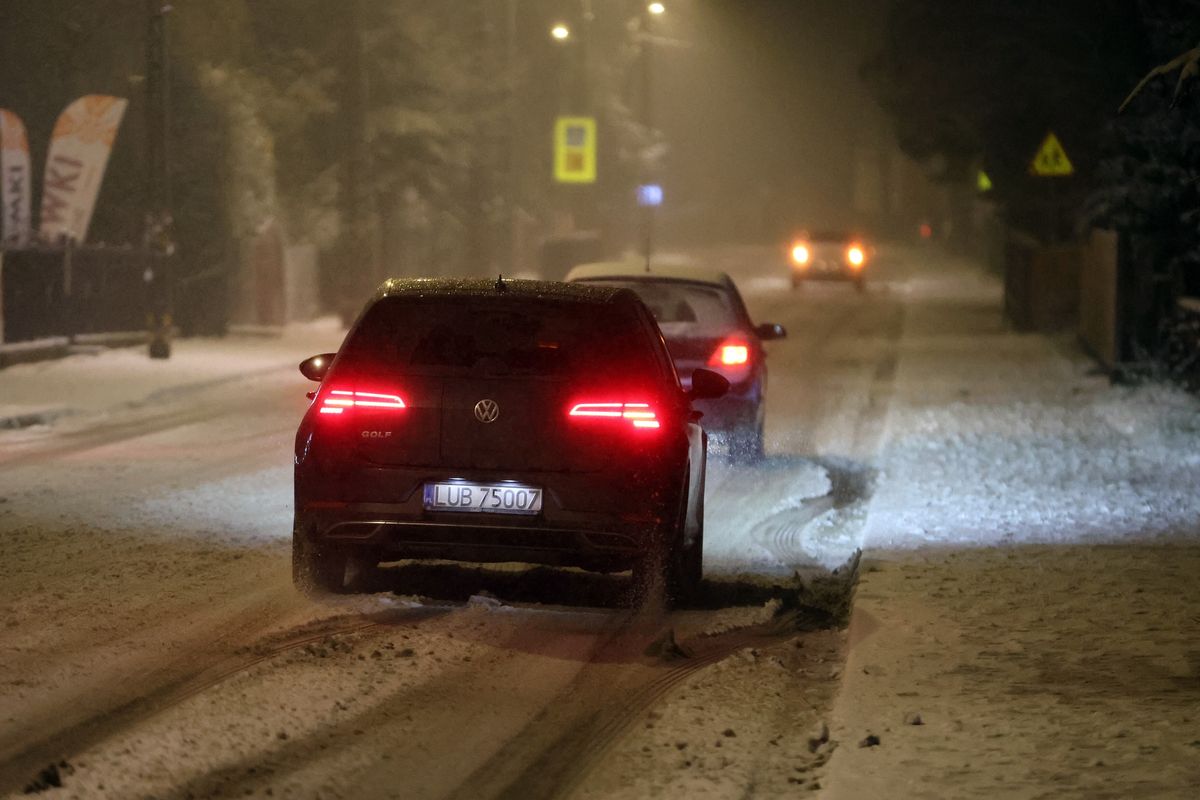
(158, 236)
(647, 55)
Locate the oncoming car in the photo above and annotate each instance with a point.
(707, 327)
(488, 421)
(829, 255)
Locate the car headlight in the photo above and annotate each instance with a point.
(800, 254)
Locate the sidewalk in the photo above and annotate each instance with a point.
(1026, 620)
(40, 392)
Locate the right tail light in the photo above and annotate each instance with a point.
(732, 358)
(640, 416)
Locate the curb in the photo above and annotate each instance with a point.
(61, 346)
(37, 350)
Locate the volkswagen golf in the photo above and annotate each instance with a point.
(495, 421)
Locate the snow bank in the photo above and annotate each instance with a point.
(999, 437)
(1102, 465)
(90, 382)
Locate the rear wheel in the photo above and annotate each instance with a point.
(362, 572)
(675, 565)
(684, 582)
(316, 568)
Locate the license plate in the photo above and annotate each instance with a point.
(500, 498)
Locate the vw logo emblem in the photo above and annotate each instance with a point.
(487, 411)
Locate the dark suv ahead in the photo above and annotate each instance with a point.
(492, 421)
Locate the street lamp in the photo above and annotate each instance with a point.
(560, 32)
(656, 8)
(158, 234)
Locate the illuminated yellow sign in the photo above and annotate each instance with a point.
(575, 150)
(982, 182)
(1051, 160)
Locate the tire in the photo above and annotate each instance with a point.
(671, 564)
(362, 572)
(316, 569)
(646, 574)
(683, 583)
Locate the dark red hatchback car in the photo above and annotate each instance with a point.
(487, 421)
(707, 327)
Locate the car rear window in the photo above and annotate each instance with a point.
(685, 309)
(500, 336)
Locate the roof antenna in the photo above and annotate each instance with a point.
(500, 285)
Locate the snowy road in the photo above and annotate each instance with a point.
(153, 641)
(152, 644)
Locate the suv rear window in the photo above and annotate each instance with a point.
(500, 336)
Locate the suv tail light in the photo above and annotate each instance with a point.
(731, 353)
(337, 401)
(732, 358)
(638, 415)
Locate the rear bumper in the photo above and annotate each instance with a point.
(392, 537)
(739, 409)
(729, 414)
(585, 521)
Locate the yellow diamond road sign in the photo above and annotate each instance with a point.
(1051, 160)
(575, 150)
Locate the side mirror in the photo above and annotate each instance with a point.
(315, 367)
(769, 330)
(707, 385)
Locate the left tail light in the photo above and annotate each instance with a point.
(338, 401)
(641, 416)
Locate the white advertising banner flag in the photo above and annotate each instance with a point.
(15, 187)
(75, 164)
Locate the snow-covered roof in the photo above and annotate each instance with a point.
(636, 270)
(394, 287)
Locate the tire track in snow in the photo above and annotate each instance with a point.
(19, 767)
(559, 747)
(455, 690)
